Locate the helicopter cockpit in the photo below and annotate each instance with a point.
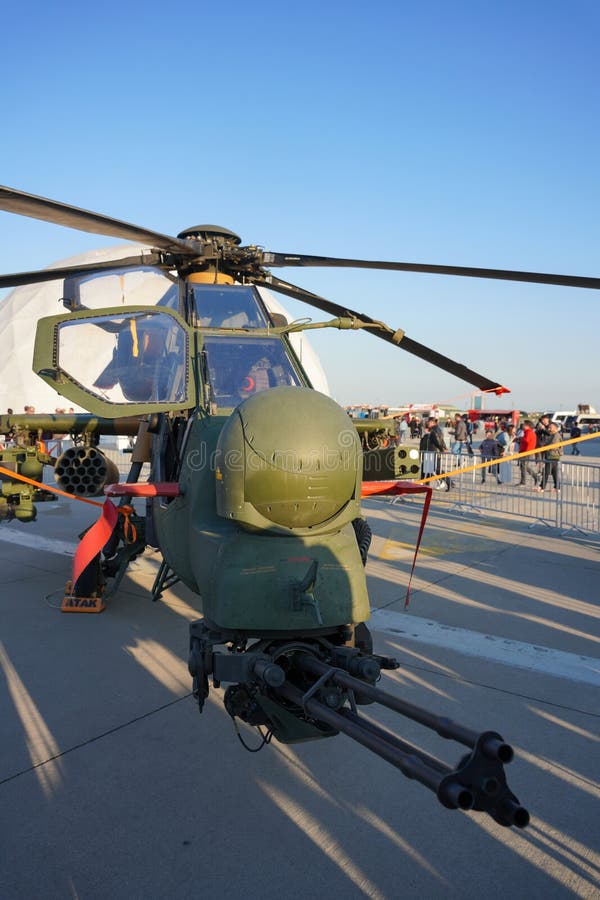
(139, 357)
(239, 367)
(146, 356)
(227, 306)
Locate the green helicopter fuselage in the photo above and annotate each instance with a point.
(268, 469)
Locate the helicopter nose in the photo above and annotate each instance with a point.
(288, 457)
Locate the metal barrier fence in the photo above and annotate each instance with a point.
(575, 506)
(123, 463)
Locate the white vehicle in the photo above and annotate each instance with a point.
(585, 417)
(561, 416)
(588, 422)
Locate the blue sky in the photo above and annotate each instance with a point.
(463, 133)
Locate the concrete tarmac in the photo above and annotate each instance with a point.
(112, 785)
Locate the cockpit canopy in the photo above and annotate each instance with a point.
(136, 359)
(227, 306)
(118, 362)
(239, 367)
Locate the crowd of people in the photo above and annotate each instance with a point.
(500, 439)
(406, 426)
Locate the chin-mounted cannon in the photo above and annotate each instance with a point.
(308, 689)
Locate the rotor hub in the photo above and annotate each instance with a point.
(212, 233)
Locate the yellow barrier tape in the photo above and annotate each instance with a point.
(494, 462)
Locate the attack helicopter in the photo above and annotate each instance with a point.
(254, 496)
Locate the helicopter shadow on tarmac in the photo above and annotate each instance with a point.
(492, 575)
(126, 680)
(153, 788)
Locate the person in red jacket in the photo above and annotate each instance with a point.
(528, 442)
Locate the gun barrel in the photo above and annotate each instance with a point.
(443, 726)
(74, 423)
(495, 748)
(301, 691)
(395, 741)
(411, 764)
(516, 814)
(478, 781)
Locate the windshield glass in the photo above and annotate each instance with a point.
(115, 287)
(228, 306)
(238, 367)
(134, 357)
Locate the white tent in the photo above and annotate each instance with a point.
(20, 310)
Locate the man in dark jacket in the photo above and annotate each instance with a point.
(542, 431)
(551, 459)
(489, 450)
(433, 442)
(436, 436)
(461, 435)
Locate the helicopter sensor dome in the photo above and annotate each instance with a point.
(289, 457)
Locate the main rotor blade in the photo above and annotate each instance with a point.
(398, 338)
(129, 262)
(296, 259)
(23, 204)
